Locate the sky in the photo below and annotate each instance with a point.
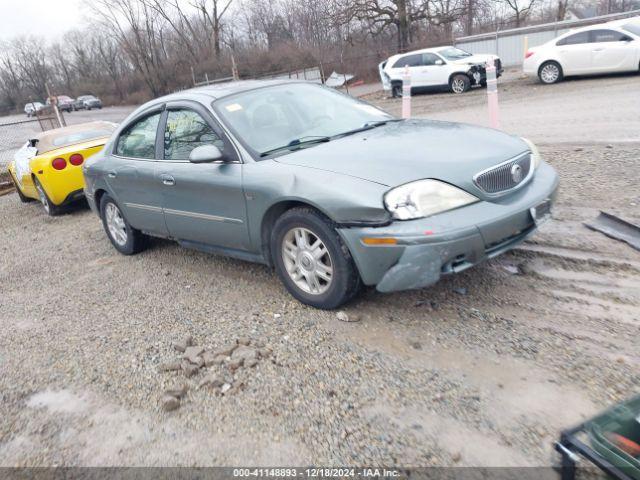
(46, 18)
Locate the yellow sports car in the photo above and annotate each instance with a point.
(49, 166)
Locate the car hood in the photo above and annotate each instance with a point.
(474, 59)
(409, 150)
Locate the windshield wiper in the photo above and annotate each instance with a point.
(295, 144)
(368, 126)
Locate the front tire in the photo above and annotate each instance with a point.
(50, 208)
(311, 260)
(459, 83)
(550, 72)
(126, 239)
(396, 90)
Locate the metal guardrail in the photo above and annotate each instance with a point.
(564, 24)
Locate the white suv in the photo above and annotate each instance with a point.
(605, 48)
(447, 67)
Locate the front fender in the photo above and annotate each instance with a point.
(345, 200)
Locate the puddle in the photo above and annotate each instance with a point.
(61, 401)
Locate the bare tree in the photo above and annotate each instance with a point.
(379, 15)
(561, 12)
(213, 17)
(521, 9)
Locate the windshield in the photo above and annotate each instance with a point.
(633, 28)
(296, 114)
(453, 53)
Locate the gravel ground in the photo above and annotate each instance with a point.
(485, 368)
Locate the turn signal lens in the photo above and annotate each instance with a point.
(59, 163)
(528, 54)
(380, 241)
(76, 159)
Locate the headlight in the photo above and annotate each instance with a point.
(535, 154)
(424, 198)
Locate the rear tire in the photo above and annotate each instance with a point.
(49, 207)
(125, 239)
(459, 83)
(550, 72)
(311, 260)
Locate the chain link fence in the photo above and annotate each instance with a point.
(15, 131)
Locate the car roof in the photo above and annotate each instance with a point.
(423, 50)
(588, 28)
(216, 91)
(46, 139)
(226, 89)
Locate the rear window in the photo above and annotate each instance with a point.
(79, 137)
(575, 39)
(414, 60)
(603, 36)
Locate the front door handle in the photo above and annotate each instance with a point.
(112, 174)
(168, 180)
(598, 49)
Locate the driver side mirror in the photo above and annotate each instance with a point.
(439, 62)
(205, 154)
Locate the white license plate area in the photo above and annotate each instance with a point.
(541, 212)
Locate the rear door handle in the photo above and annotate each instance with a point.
(167, 180)
(112, 174)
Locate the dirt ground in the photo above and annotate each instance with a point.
(483, 369)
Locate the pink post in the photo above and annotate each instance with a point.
(492, 95)
(406, 93)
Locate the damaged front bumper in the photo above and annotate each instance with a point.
(450, 242)
(478, 72)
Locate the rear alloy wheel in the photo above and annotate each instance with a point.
(126, 239)
(311, 259)
(550, 72)
(49, 207)
(460, 83)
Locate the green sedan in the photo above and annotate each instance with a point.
(332, 192)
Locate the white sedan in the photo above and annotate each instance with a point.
(441, 67)
(606, 48)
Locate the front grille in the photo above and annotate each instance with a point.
(505, 176)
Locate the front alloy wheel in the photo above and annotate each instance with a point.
(311, 259)
(460, 83)
(307, 261)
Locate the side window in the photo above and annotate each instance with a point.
(414, 60)
(139, 139)
(185, 131)
(575, 39)
(429, 58)
(602, 36)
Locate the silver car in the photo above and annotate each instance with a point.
(331, 191)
